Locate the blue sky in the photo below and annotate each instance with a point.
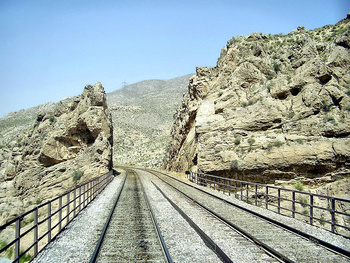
(51, 49)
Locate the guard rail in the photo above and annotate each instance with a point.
(40, 225)
(325, 211)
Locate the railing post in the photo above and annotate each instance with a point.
(80, 198)
(74, 203)
(49, 222)
(83, 196)
(247, 192)
(256, 195)
(35, 217)
(18, 241)
(332, 215)
(293, 204)
(68, 194)
(267, 197)
(235, 189)
(311, 209)
(229, 187)
(89, 192)
(279, 200)
(60, 214)
(241, 186)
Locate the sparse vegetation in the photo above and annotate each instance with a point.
(3, 244)
(77, 174)
(299, 185)
(325, 106)
(348, 92)
(305, 212)
(251, 141)
(303, 200)
(276, 66)
(52, 119)
(26, 222)
(234, 165)
(291, 114)
(9, 252)
(276, 143)
(269, 77)
(237, 141)
(25, 258)
(329, 117)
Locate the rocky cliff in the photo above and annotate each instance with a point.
(66, 146)
(274, 107)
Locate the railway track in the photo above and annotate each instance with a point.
(277, 242)
(131, 233)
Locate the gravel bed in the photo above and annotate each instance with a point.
(183, 243)
(235, 246)
(77, 241)
(131, 236)
(315, 231)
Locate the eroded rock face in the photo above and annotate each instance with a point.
(75, 136)
(274, 107)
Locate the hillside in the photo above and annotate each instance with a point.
(142, 116)
(46, 153)
(274, 107)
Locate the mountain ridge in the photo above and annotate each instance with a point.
(150, 104)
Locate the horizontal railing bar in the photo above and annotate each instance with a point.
(87, 193)
(271, 197)
(8, 245)
(273, 187)
(27, 231)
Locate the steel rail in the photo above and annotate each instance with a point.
(207, 240)
(99, 244)
(314, 239)
(100, 241)
(272, 252)
(161, 239)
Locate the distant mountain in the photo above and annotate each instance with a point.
(142, 116)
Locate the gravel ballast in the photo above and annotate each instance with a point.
(77, 241)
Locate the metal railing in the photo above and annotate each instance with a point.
(328, 212)
(36, 228)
